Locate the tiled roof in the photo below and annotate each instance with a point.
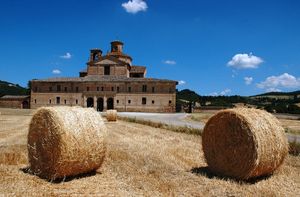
(14, 97)
(95, 78)
(137, 69)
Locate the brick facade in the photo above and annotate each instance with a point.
(12, 101)
(109, 82)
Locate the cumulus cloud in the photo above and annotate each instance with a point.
(222, 93)
(248, 80)
(245, 61)
(66, 56)
(169, 62)
(181, 82)
(135, 6)
(56, 71)
(282, 81)
(273, 90)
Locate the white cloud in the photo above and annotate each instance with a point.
(170, 62)
(56, 71)
(213, 94)
(222, 93)
(135, 6)
(248, 80)
(66, 56)
(244, 61)
(181, 82)
(273, 90)
(273, 83)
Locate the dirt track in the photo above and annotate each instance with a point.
(141, 161)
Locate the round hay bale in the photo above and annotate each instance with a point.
(244, 143)
(65, 141)
(111, 115)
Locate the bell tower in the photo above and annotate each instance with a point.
(116, 46)
(95, 54)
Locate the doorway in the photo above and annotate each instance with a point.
(90, 102)
(110, 103)
(100, 104)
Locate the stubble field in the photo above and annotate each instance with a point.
(140, 161)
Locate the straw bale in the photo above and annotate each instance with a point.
(111, 115)
(65, 141)
(244, 143)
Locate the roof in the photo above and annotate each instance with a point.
(106, 58)
(97, 78)
(137, 69)
(117, 42)
(14, 97)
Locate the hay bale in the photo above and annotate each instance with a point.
(111, 115)
(244, 143)
(65, 141)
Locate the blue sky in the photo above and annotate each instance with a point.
(213, 47)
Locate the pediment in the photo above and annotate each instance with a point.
(106, 62)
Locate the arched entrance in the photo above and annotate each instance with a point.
(25, 105)
(90, 102)
(100, 105)
(110, 103)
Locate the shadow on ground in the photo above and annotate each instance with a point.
(205, 171)
(62, 180)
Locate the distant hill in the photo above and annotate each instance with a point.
(7, 88)
(279, 94)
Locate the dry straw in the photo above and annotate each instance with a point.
(111, 115)
(244, 143)
(65, 141)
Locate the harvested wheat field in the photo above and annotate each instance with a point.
(140, 161)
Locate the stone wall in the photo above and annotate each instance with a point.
(121, 102)
(14, 103)
(50, 99)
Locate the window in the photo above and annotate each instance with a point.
(106, 70)
(58, 100)
(50, 89)
(170, 101)
(144, 88)
(102, 89)
(34, 100)
(66, 89)
(118, 89)
(112, 89)
(98, 89)
(58, 88)
(95, 57)
(77, 89)
(129, 89)
(144, 100)
(153, 89)
(76, 101)
(117, 101)
(87, 88)
(129, 101)
(152, 101)
(65, 101)
(49, 101)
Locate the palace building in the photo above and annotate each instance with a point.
(109, 81)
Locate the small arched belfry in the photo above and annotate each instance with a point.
(109, 81)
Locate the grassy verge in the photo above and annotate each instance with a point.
(294, 148)
(185, 129)
(292, 131)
